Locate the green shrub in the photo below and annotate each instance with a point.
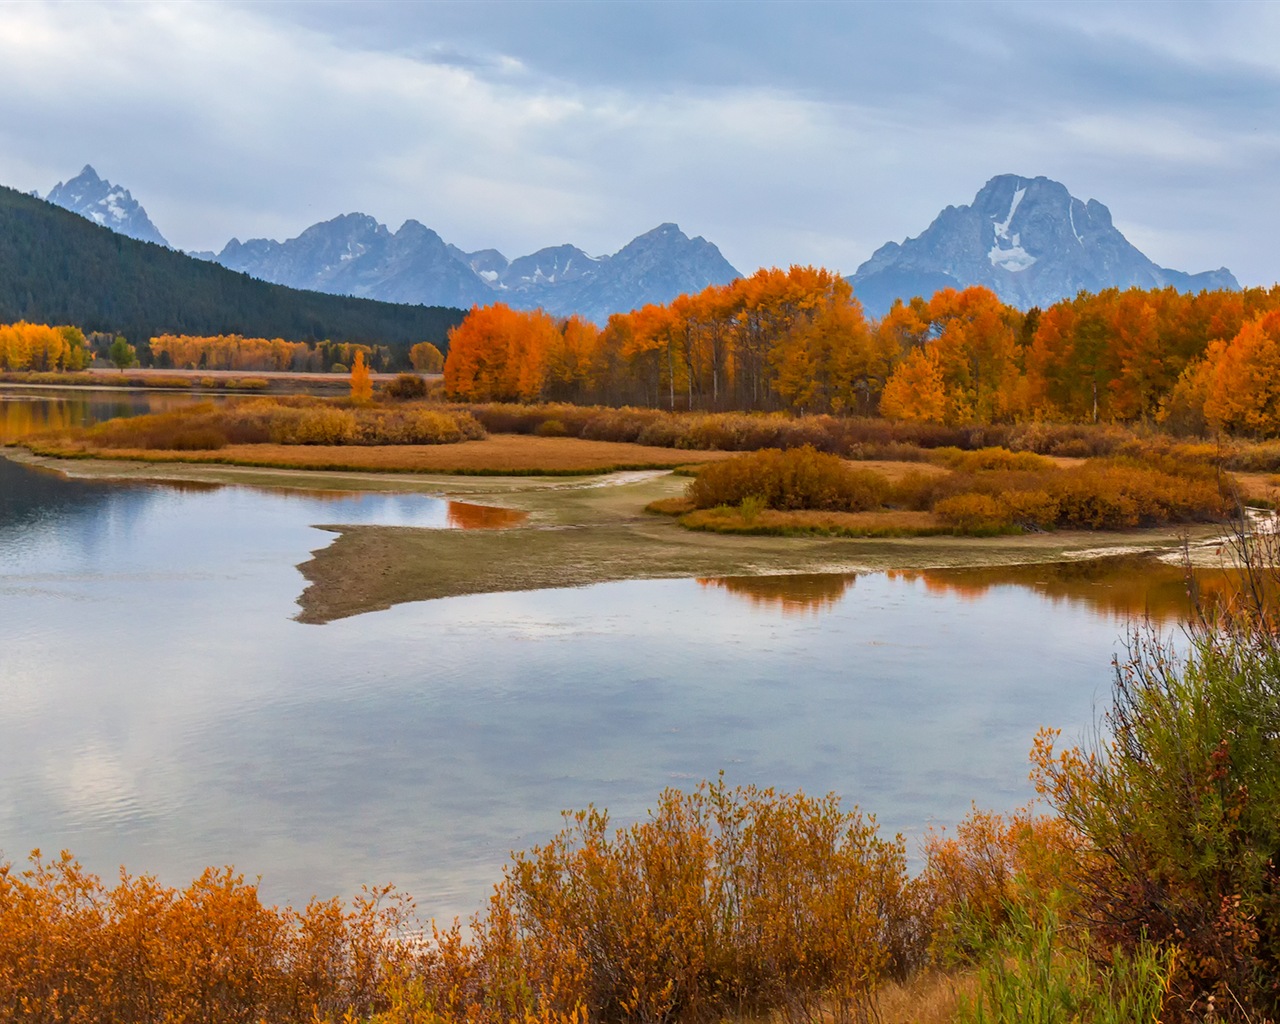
(1180, 799)
(1037, 974)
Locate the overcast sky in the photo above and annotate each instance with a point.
(785, 133)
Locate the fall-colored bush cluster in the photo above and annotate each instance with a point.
(289, 421)
(724, 901)
(800, 478)
(987, 491)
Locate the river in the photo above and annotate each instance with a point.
(161, 709)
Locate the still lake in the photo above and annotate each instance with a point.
(161, 709)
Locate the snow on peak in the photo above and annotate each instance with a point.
(1010, 255)
(1002, 228)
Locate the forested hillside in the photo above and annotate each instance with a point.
(56, 267)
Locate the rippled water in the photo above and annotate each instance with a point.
(162, 709)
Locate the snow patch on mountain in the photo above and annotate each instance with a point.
(107, 205)
(1028, 240)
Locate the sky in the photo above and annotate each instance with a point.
(785, 133)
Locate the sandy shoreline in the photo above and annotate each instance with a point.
(591, 529)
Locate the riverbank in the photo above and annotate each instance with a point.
(583, 530)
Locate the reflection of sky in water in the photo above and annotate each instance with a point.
(161, 708)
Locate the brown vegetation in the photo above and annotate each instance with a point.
(504, 454)
(280, 421)
(990, 491)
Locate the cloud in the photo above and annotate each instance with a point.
(782, 132)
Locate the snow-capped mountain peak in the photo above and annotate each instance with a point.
(106, 204)
(1027, 239)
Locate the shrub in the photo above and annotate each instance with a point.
(551, 428)
(989, 458)
(973, 513)
(800, 478)
(405, 385)
(1180, 799)
(722, 901)
(1032, 509)
(1039, 974)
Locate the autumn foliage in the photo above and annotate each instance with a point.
(721, 901)
(797, 341)
(288, 421)
(234, 352)
(38, 347)
(985, 491)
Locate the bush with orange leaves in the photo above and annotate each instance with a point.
(724, 901)
(73, 950)
(993, 863)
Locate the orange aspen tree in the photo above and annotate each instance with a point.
(361, 382)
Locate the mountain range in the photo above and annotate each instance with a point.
(1027, 239)
(355, 255)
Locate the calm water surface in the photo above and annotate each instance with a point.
(160, 708)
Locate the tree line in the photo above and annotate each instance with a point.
(57, 267)
(798, 341)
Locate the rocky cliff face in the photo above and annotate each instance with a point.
(106, 204)
(1028, 240)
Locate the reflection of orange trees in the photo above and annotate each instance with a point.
(22, 418)
(1127, 587)
(463, 515)
(721, 902)
(792, 595)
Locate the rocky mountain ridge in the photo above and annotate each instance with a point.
(1027, 239)
(110, 206)
(355, 255)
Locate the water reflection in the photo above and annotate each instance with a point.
(1125, 587)
(463, 515)
(798, 594)
(28, 411)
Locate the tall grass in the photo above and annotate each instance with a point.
(290, 421)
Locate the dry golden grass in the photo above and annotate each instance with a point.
(930, 997)
(498, 454)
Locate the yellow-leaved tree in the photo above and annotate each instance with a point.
(361, 382)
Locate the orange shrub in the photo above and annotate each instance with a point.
(973, 513)
(992, 863)
(722, 901)
(284, 420)
(72, 949)
(800, 478)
